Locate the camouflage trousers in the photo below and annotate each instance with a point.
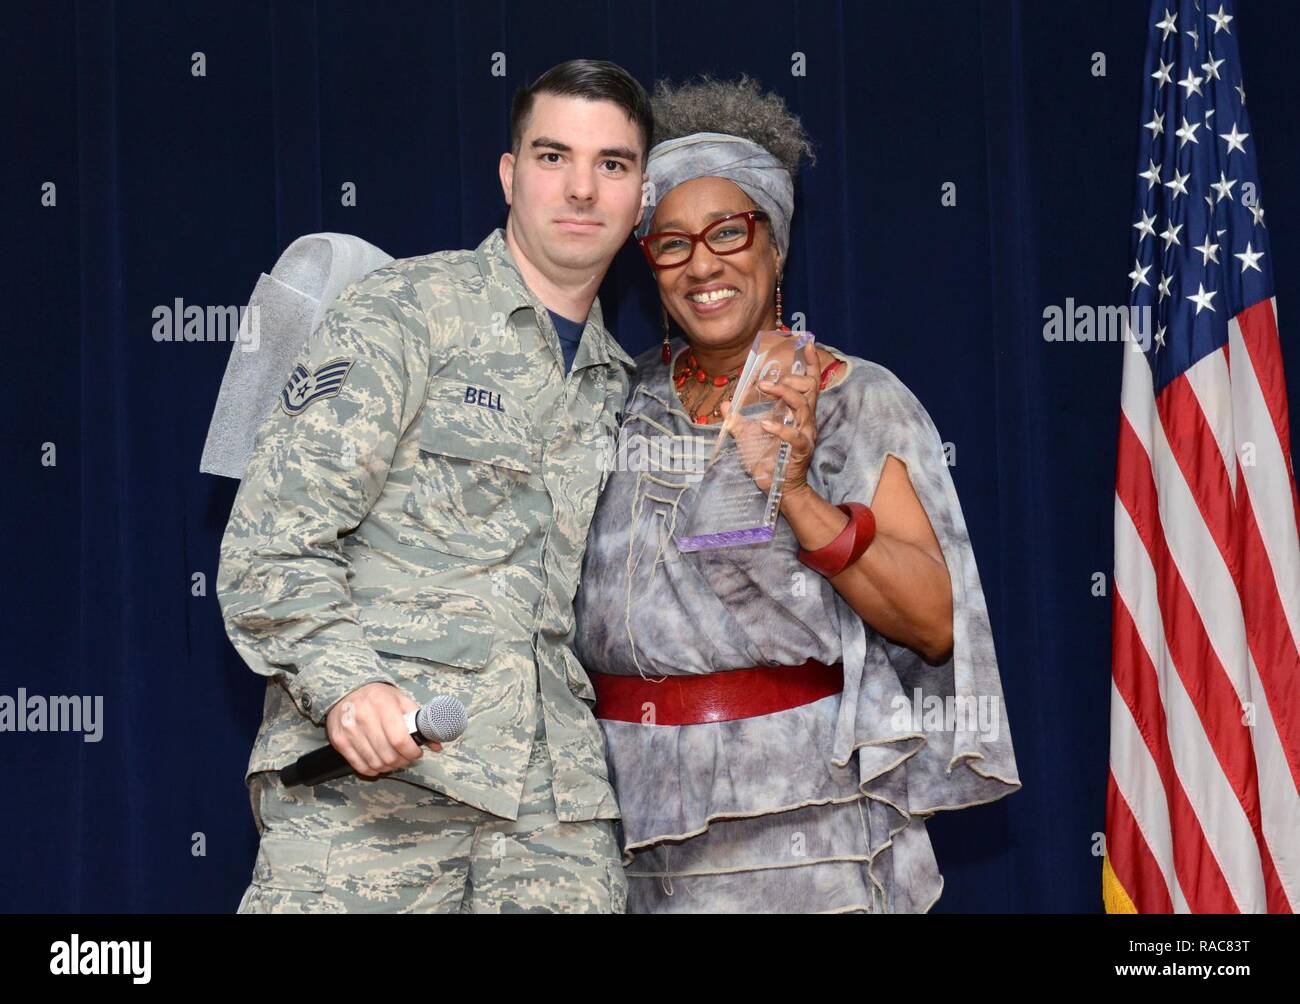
(387, 846)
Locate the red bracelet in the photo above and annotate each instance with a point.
(848, 547)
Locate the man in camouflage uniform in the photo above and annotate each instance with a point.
(412, 523)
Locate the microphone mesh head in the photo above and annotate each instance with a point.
(442, 719)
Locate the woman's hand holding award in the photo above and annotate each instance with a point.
(738, 497)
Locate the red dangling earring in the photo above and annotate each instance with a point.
(779, 323)
(668, 349)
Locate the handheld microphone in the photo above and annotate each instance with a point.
(439, 721)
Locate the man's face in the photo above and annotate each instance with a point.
(574, 190)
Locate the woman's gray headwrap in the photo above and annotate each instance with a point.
(719, 155)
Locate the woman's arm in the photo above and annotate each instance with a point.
(900, 585)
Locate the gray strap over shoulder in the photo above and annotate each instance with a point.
(286, 306)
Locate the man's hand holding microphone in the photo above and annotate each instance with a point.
(369, 728)
(376, 729)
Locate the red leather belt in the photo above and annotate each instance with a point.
(715, 697)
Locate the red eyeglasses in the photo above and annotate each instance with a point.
(729, 235)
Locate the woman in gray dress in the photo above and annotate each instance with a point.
(780, 719)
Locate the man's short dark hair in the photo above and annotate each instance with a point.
(593, 79)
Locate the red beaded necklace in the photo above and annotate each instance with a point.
(692, 368)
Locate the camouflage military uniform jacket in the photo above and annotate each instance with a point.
(415, 511)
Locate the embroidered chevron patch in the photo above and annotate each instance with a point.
(304, 387)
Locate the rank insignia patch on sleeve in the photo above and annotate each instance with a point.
(304, 386)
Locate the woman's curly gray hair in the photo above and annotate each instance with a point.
(738, 108)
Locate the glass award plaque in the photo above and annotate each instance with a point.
(738, 497)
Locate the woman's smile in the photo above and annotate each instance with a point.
(712, 299)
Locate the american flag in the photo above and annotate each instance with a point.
(1203, 796)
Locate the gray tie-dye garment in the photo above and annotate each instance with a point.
(820, 807)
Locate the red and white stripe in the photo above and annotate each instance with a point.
(1203, 807)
